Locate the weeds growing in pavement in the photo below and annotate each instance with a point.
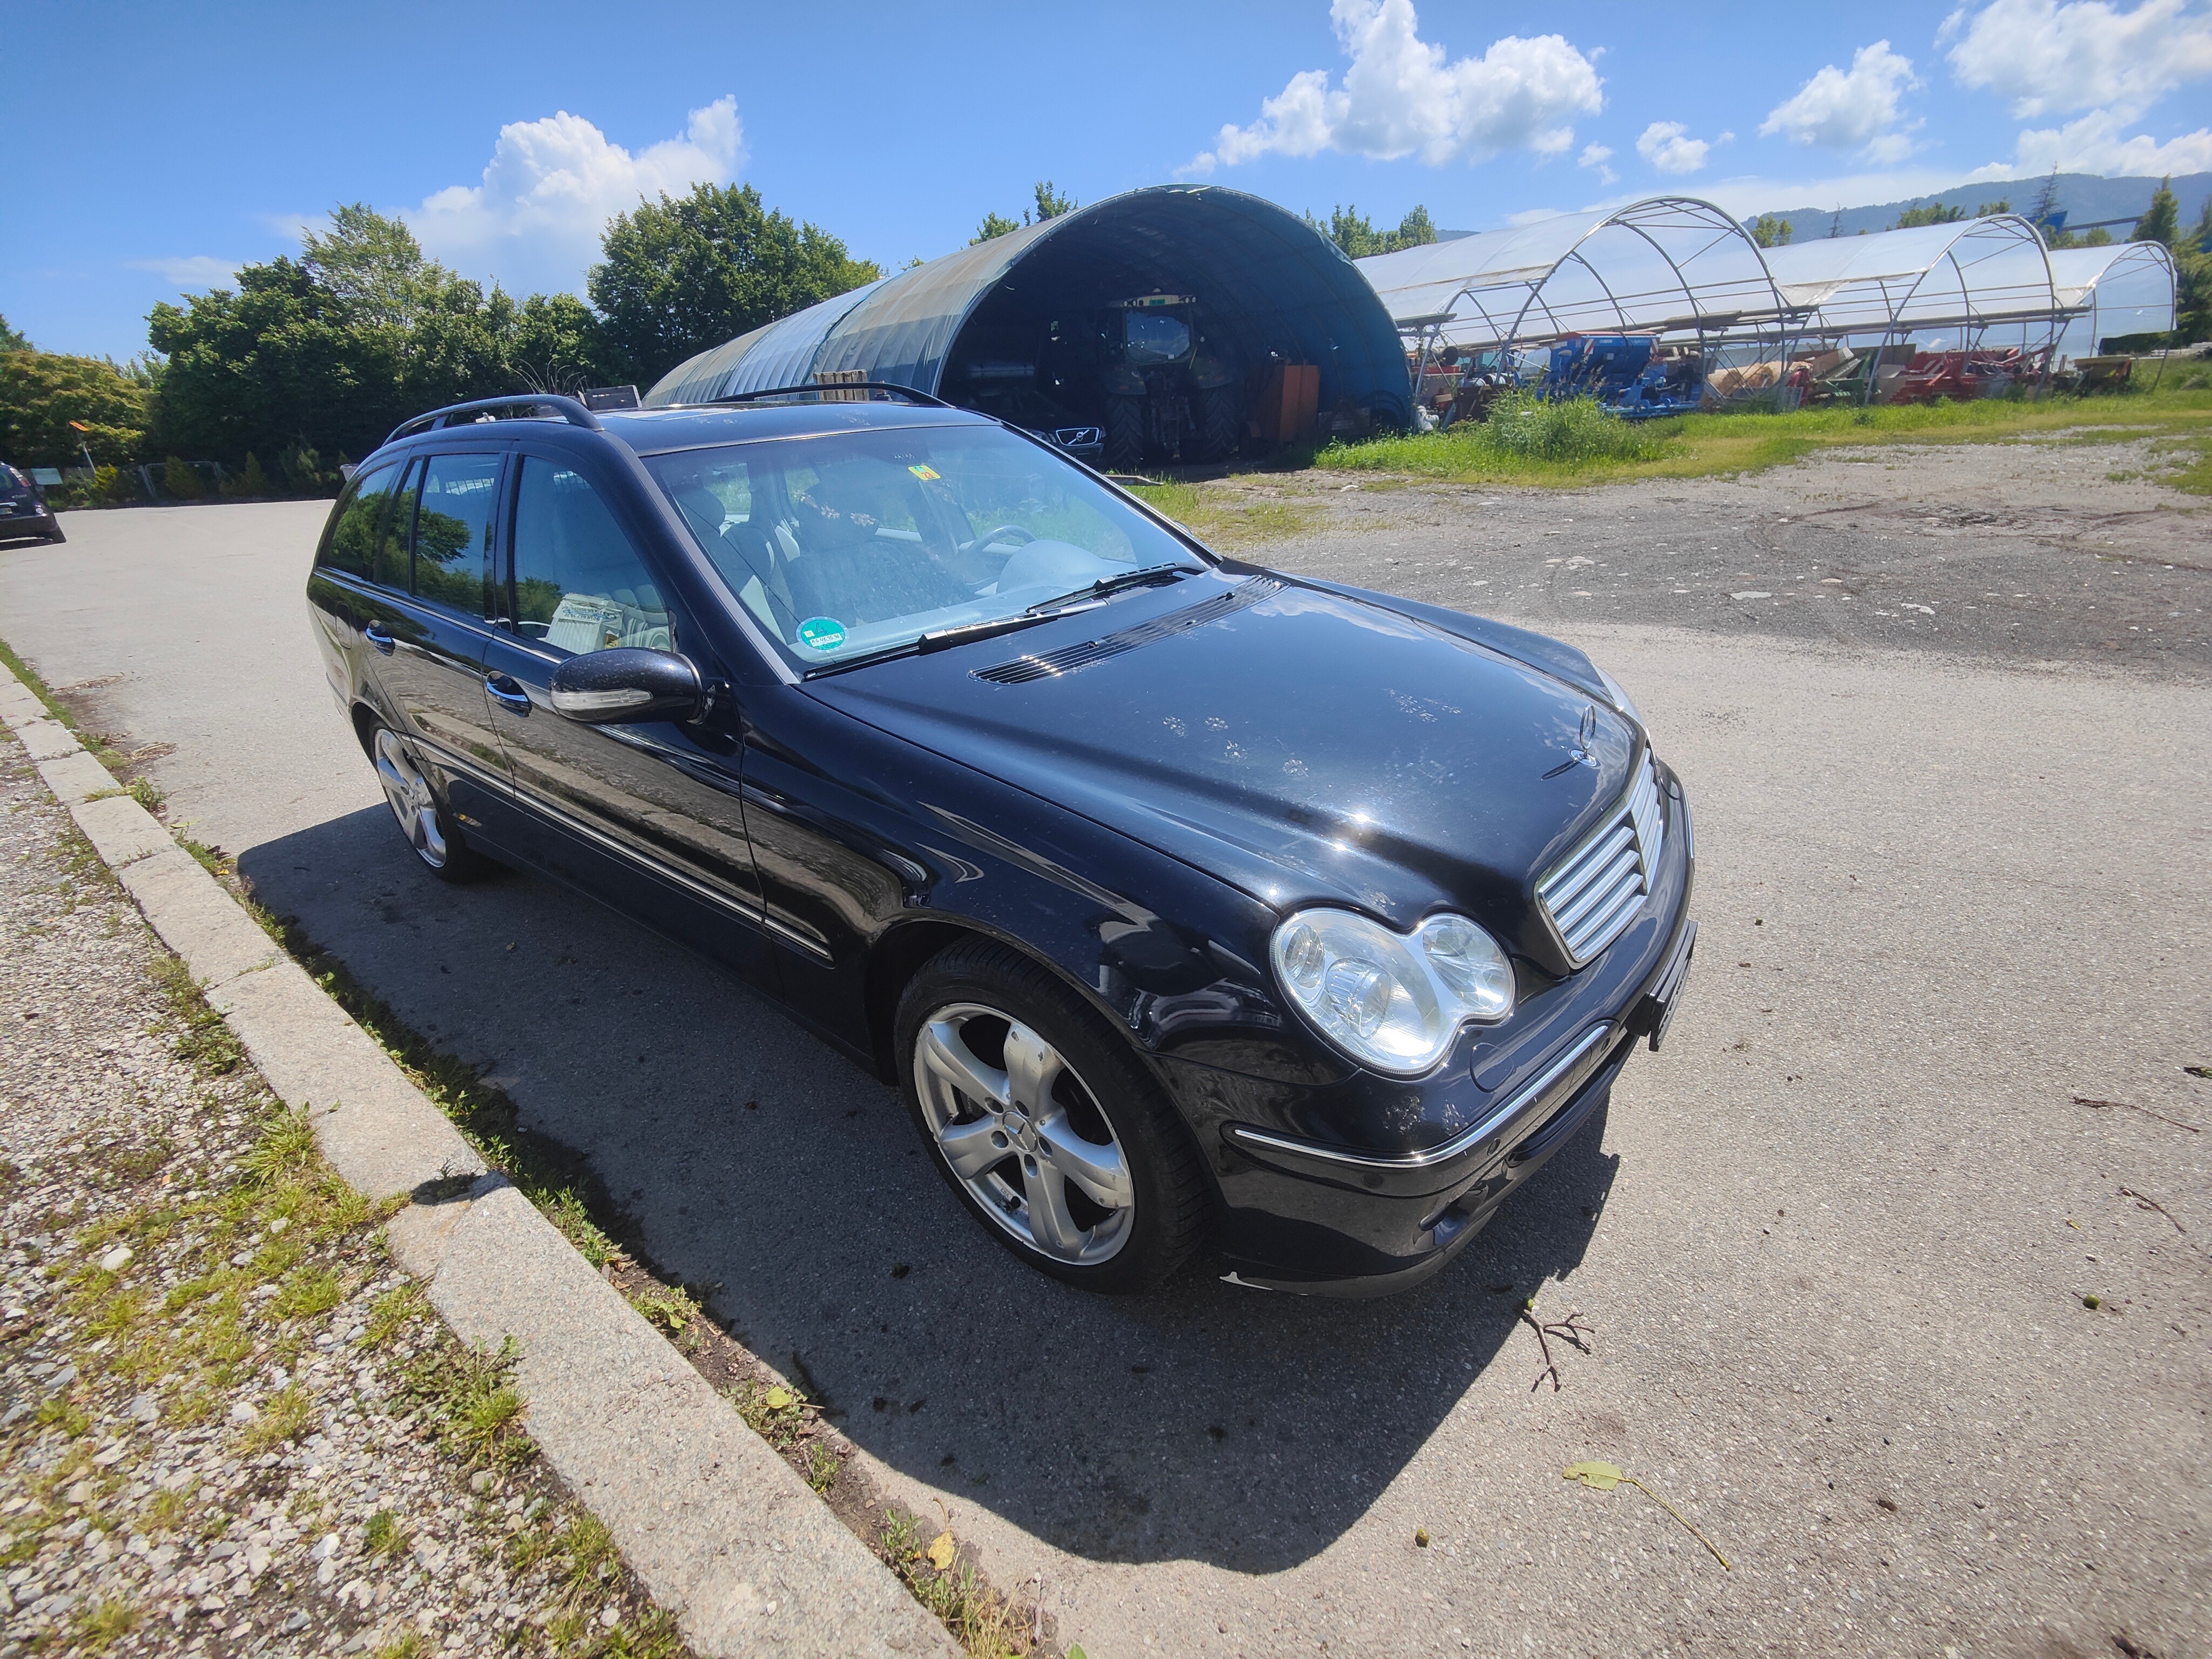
(106, 1621)
(469, 1397)
(386, 1534)
(206, 1043)
(985, 1624)
(671, 1308)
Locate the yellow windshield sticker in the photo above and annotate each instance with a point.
(925, 472)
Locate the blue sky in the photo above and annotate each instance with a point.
(150, 148)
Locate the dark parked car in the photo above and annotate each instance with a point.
(23, 510)
(1192, 906)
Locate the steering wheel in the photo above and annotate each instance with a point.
(1004, 529)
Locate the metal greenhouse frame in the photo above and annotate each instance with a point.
(1671, 266)
(1984, 280)
(2123, 287)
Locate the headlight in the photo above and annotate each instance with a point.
(1621, 700)
(1391, 1002)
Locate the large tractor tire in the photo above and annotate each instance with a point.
(1125, 433)
(1218, 423)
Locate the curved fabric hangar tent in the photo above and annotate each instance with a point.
(2111, 292)
(1962, 309)
(1674, 268)
(1038, 327)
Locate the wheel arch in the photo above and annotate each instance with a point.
(903, 949)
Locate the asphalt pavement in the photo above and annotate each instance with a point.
(1833, 1241)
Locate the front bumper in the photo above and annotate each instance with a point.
(1305, 1214)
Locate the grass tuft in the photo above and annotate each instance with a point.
(984, 1623)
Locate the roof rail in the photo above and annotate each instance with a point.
(831, 393)
(566, 408)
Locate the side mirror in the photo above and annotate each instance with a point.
(614, 687)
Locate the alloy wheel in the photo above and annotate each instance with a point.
(1024, 1132)
(408, 792)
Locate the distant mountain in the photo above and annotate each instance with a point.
(2084, 198)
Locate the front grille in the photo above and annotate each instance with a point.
(1597, 890)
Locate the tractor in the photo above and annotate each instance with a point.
(1168, 395)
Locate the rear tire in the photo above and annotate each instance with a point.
(1125, 433)
(427, 823)
(1218, 423)
(1045, 1124)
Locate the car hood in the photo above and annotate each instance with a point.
(1302, 743)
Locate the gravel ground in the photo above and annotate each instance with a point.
(227, 1424)
(2054, 549)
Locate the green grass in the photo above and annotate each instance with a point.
(1218, 519)
(1575, 442)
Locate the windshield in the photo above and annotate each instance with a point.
(855, 542)
(1154, 337)
(12, 483)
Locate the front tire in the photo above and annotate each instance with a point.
(1044, 1124)
(1218, 423)
(1125, 433)
(425, 821)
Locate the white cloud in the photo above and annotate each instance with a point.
(1669, 148)
(552, 185)
(1856, 109)
(1596, 156)
(2095, 144)
(2049, 58)
(192, 270)
(1400, 97)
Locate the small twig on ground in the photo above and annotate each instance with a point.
(2106, 1105)
(2153, 1204)
(1570, 1330)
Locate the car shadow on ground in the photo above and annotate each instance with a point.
(1242, 1428)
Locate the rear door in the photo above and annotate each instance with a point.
(648, 814)
(424, 618)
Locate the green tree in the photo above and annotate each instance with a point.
(1990, 210)
(1931, 212)
(278, 362)
(681, 276)
(1050, 204)
(1355, 233)
(1768, 231)
(181, 482)
(42, 392)
(994, 226)
(556, 345)
(2161, 221)
(12, 339)
(374, 264)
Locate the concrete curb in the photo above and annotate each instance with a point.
(717, 1526)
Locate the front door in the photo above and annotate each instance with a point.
(650, 812)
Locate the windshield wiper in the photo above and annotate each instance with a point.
(942, 639)
(1105, 585)
(945, 639)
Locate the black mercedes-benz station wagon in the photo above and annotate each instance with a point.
(1197, 909)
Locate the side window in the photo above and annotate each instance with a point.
(351, 545)
(392, 546)
(452, 531)
(579, 584)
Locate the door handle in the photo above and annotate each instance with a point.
(374, 634)
(507, 692)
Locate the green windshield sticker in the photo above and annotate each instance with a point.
(925, 472)
(823, 633)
